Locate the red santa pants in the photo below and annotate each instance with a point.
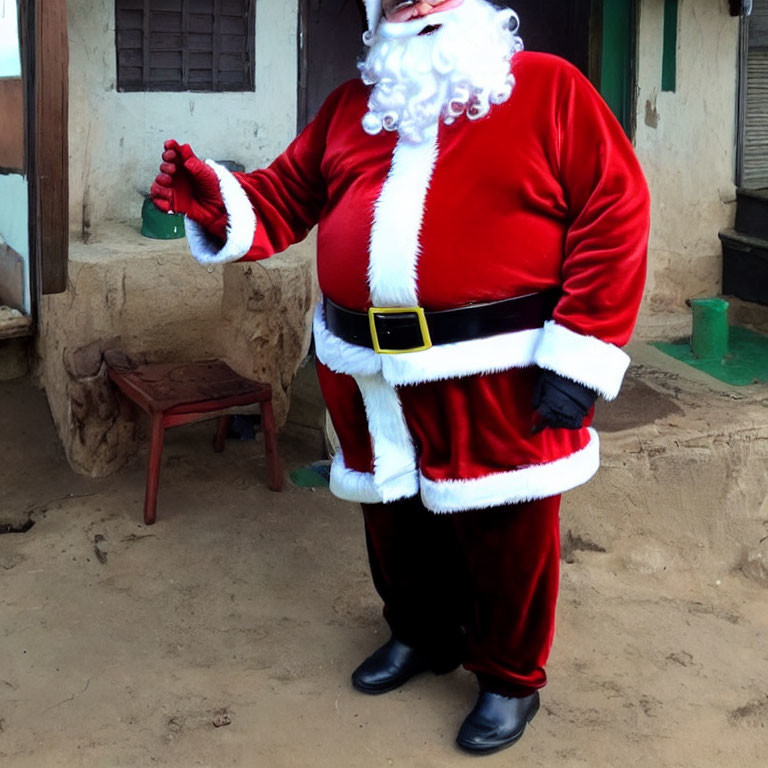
(477, 587)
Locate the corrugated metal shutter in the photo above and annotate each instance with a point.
(756, 117)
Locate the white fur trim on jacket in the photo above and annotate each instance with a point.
(241, 224)
(446, 361)
(534, 482)
(350, 485)
(394, 456)
(463, 358)
(339, 355)
(397, 217)
(595, 364)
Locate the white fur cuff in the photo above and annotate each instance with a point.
(595, 364)
(241, 224)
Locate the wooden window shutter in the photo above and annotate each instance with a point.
(185, 45)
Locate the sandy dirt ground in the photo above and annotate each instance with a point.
(122, 645)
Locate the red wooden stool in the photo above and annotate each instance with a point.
(183, 393)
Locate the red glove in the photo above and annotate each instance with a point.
(187, 185)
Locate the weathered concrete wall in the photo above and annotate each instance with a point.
(267, 306)
(115, 139)
(13, 221)
(149, 299)
(686, 143)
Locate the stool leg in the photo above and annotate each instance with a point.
(153, 468)
(221, 433)
(274, 470)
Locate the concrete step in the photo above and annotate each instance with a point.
(683, 482)
(745, 266)
(752, 212)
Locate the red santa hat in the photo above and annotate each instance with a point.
(373, 13)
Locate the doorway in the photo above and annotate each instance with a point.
(597, 36)
(330, 44)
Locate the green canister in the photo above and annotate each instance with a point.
(709, 340)
(160, 225)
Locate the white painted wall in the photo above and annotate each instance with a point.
(116, 138)
(14, 226)
(686, 141)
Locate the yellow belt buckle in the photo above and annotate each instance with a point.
(418, 311)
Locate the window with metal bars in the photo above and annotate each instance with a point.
(185, 45)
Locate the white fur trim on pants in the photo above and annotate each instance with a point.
(241, 224)
(595, 364)
(520, 485)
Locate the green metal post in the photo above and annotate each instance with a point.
(709, 340)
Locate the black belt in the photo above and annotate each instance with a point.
(392, 330)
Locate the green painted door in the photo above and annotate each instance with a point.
(618, 52)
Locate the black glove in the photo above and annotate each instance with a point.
(561, 402)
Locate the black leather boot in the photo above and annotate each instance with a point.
(496, 722)
(389, 667)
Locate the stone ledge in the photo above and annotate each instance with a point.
(14, 325)
(153, 301)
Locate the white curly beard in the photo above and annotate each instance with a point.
(461, 68)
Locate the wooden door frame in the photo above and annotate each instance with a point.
(45, 52)
(302, 101)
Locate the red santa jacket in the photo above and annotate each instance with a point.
(543, 192)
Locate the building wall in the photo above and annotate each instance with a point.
(686, 141)
(13, 221)
(116, 138)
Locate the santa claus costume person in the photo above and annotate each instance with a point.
(482, 233)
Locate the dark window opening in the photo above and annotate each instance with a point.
(185, 45)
